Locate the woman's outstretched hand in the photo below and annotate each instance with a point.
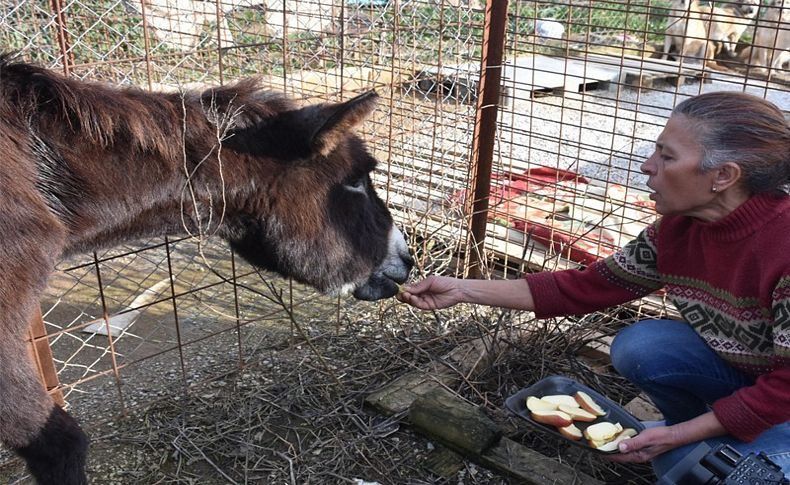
(433, 293)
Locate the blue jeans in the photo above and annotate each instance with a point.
(683, 376)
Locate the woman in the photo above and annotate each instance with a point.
(719, 177)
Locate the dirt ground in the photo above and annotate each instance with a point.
(295, 412)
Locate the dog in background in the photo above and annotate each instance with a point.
(728, 23)
(702, 31)
(686, 35)
(771, 46)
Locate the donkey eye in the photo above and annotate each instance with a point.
(357, 185)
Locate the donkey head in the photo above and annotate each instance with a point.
(314, 214)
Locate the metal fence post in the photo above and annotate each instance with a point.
(485, 128)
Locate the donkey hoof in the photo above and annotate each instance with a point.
(56, 456)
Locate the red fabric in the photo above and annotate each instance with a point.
(535, 178)
(533, 202)
(570, 247)
(511, 205)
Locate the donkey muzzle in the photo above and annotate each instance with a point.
(394, 270)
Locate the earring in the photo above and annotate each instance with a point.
(714, 189)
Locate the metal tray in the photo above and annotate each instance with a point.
(517, 403)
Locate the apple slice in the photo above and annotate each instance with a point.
(571, 432)
(538, 404)
(595, 444)
(577, 413)
(553, 418)
(584, 401)
(561, 399)
(626, 433)
(608, 446)
(613, 444)
(603, 431)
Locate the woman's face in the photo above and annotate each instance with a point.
(674, 171)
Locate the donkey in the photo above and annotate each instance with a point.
(87, 166)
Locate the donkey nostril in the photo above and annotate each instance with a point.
(407, 260)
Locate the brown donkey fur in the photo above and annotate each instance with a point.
(86, 166)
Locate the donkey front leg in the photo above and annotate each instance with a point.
(57, 452)
(50, 440)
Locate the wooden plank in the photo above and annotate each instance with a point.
(530, 467)
(446, 418)
(629, 63)
(321, 84)
(336, 80)
(643, 409)
(535, 73)
(450, 81)
(641, 72)
(464, 360)
(444, 462)
(453, 422)
(526, 76)
(41, 354)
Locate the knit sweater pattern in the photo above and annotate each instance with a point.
(729, 279)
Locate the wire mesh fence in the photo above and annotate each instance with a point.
(556, 132)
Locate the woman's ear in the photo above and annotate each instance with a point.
(727, 175)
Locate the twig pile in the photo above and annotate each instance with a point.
(292, 416)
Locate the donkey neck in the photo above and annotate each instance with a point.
(116, 164)
(111, 195)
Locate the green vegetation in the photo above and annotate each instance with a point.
(630, 17)
(106, 37)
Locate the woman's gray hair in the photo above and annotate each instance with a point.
(744, 129)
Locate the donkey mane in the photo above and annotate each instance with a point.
(106, 115)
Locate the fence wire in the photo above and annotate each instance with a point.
(585, 89)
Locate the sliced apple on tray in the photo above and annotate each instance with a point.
(571, 432)
(537, 404)
(560, 411)
(577, 414)
(561, 399)
(587, 403)
(626, 433)
(613, 444)
(552, 418)
(606, 446)
(602, 431)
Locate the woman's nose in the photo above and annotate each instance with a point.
(648, 166)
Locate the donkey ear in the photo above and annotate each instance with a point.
(336, 121)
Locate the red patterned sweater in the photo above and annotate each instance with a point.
(730, 279)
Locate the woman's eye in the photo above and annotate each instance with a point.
(356, 186)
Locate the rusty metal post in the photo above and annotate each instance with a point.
(485, 128)
(42, 356)
(62, 35)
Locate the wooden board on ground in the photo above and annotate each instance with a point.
(348, 79)
(529, 77)
(523, 77)
(453, 422)
(463, 361)
(640, 71)
(531, 467)
(448, 419)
